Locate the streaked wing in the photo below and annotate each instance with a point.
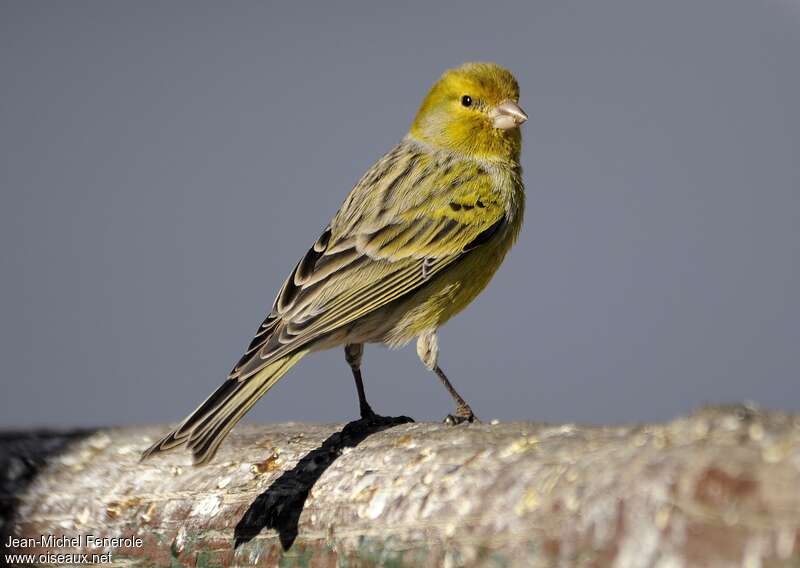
(407, 219)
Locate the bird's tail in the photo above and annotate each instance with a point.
(205, 428)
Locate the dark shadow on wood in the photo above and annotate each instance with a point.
(22, 456)
(280, 506)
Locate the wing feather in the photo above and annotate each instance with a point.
(405, 221)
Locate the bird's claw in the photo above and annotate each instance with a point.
(372, 419)
(462, 415)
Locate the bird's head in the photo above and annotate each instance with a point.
(473, 110)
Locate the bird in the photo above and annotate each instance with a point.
(417, 239)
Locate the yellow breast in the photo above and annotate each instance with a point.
(455, 288)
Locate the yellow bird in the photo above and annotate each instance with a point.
(418, 238)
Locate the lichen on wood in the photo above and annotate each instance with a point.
(718, 488)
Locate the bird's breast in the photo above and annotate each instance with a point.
(455, 288)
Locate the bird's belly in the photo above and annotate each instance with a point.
(434, 304)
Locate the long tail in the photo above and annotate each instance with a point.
(205, 428)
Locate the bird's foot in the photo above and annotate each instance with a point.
(369, 418)
(367, 413)
(463, 414)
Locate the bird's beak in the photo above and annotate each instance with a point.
(507, 115)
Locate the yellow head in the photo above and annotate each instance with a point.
(473, 110)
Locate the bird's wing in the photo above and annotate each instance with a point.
(408, 218)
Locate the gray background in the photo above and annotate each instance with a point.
(163, 165)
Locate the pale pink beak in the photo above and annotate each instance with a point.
(507, 114)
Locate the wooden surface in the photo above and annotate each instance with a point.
(719, 488)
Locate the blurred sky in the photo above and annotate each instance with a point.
(163, 165)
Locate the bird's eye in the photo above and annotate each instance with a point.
(466, 100)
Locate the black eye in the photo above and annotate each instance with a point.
(466, 100)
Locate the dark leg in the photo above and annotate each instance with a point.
(353, 354)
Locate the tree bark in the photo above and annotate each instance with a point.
(719, 488)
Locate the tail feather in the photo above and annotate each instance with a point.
(208, 443)
(205, 428)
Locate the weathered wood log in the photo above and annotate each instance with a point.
(719, 488)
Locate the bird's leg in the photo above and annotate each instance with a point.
(463, 411)
(428, 351)
(353, 353)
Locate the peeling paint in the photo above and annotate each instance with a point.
(206, 507)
